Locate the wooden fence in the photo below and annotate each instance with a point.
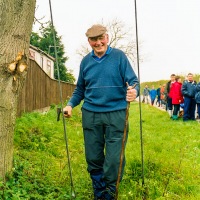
(40, 91)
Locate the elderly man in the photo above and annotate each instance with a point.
(102, 84)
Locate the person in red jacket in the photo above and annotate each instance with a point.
(177, 97)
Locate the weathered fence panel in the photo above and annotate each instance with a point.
(40, 91)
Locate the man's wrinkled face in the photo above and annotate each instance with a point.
(99, 44)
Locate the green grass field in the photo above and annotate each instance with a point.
(171, 158)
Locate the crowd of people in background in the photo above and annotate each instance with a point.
(177, 97)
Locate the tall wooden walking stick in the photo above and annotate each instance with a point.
(123, 145)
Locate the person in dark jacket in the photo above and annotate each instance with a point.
(146, 94)
(197, 99)
(158, 96)
(169, 98)
(188, 90)
(104, 75)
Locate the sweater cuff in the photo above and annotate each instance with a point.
(70, 104)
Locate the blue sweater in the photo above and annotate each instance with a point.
(102, 83)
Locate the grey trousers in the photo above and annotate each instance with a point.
(103, 134)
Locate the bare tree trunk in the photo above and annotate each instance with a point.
(16, 19)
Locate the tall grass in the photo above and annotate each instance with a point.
(171, 158)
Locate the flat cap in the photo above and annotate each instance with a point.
(95, 30)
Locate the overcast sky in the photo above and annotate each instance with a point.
(169, 31)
